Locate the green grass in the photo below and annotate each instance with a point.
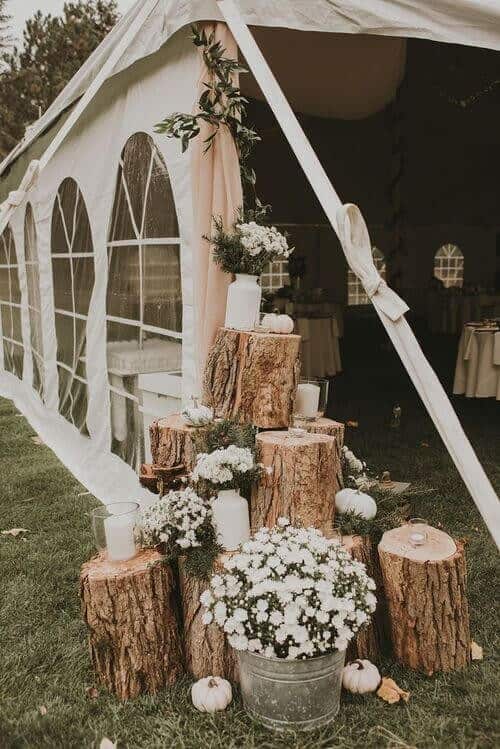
(43, 655)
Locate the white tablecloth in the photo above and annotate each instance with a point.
(320, 346)
(477, 371)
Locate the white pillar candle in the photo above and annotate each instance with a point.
(307, 400)
(120, 541)
(231, 519)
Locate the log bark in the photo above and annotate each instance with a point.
(129, 609)
(370, 638)
(334, 429)
(427, 601)
(207, 652)
(253, 377)
(299, 480)
(172, 443)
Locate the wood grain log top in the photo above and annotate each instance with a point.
(438, 546)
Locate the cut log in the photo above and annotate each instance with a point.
(129, 609)
(426, 596)
(207, 651)
(299, 480)
(368, 642)
(172, 443)
(334, 429)
(253, 377)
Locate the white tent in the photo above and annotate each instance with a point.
(96, 282)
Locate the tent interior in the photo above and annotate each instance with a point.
(407, 129)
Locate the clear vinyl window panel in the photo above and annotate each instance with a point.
(34, 299)
(275, 276)
(10, 306)
(144, 294)
(356, 294)
(73, 279)
(449, 265)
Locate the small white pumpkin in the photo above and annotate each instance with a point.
(198, 416)
(352, 500)
(211, 694)
(360, 677)
(277, 323)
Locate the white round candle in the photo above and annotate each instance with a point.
(120, 541)
(307, 400)
(231, 519)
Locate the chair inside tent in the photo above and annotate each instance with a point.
(97, 273)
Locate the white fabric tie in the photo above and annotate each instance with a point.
(16, 197)
(355, 240)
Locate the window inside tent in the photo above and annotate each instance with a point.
(144, 298)
(10, 306)
(275, 276)
(449, 265)
(73, 278)
(34, 299)
(356, 294)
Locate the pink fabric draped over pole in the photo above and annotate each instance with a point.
(217, 191)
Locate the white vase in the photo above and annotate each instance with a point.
(243, 302)
(231, 519)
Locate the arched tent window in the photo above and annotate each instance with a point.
(449, 265)
(355, 292)
(275, 276)
(34, 300)
(10, 306)
(144, 298)
(73, 277)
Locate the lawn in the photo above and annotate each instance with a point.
(44, 665)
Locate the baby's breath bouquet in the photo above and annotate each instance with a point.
(290, 593)
(180, 520)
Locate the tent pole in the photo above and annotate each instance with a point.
(423, 377)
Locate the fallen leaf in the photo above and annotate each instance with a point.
(476, 651)
(92, 693)
(14, 532)
(37, 440)
(424, 444)
(42, 710)
(390, 692)
(353, 424)
(106, 744)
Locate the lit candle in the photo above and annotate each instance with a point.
(307, 401)
(231, 519)
(120, 540)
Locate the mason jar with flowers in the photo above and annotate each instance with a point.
(244, 252)
(224, 472)
(290, 600)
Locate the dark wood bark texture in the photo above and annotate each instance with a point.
(333, 429)
(172, 443)
(130, 611)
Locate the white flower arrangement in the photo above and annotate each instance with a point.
(180, 520)
(290, 593)
(223, 467)
(198, 416)
(356, 470)
(257, 239)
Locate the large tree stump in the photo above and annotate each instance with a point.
(426, 596)
(172, 442)
(299, 480)
(207, 652)
(368, 642)
(129, 609)
(334, 429)
(253, 377)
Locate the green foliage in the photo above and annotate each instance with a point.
(52, 51)
(200, 560)
(220, 105)
(392, 510)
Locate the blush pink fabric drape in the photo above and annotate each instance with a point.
(217, 191)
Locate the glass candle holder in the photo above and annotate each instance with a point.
(311, 399)
(117, 530)
(417, 535)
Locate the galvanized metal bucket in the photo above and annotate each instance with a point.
(283, 695)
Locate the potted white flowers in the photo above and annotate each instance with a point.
(245, 252)
(179, 521)
(224, 470)
(290, 601)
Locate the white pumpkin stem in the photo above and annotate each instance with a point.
(212, 683)
(360, 664)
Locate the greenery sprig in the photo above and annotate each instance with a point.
(392, 510)
(221, 104)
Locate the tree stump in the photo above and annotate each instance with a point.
(368, 641)
(334, 429)
(172, 443)
(253, 377)
(299, 480)
(207, 652)
(426, 596)
(129, 609)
